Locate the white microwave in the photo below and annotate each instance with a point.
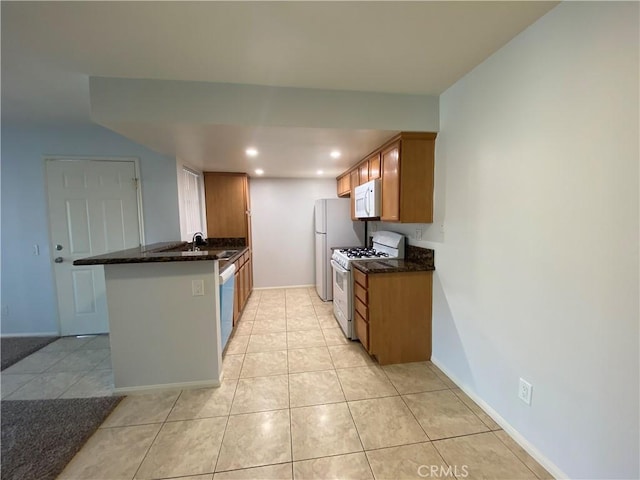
(367, 201)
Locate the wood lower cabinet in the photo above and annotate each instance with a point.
(227, 204)
(243, 284)
(393, 315)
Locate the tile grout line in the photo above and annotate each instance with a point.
(144, 457)
(514, 453)
(289, 393)
(226, 425)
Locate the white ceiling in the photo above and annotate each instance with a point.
(49, 50)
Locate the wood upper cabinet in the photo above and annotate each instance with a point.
(363, 172)
(368, 169)
(355, 181)
(391, 183)
(374, 166)
(227, 204)
(407, 178)
(392, 315)
(406, 166)
(344, 185)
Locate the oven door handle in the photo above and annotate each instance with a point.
(338, 267)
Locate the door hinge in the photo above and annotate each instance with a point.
(136, 183)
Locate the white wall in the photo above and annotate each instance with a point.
(537, 269)
(28, 292)
(116, 100)
(282, 220)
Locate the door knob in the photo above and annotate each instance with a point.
(58, 260)
(58, 247)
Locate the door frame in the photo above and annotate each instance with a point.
(85, 158)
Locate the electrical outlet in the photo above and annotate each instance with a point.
(197, 288)
(524, 391)
(418, 234)
(36, 249)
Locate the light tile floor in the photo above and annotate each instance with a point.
(298, 400)
(70, 367)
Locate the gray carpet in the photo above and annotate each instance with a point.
(14, 349)
(40, 437)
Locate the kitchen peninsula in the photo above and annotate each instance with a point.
(164, 313)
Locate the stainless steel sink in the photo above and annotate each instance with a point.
(222, 255)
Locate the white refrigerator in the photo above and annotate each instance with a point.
(334, 228)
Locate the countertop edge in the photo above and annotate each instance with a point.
(153, 254)
(369, 266)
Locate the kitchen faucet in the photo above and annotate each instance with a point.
(197, 240)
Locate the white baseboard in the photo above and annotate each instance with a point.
(39, 334)
(284, 286)
(165, 386)
(551, 467)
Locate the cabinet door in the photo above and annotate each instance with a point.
(236, 296)
(355, 177)
(374, 166)
(362, 330)
(245, 283)
(344, 185)
(250, 266)
(363, 172)
(226, 202)
(391, 183)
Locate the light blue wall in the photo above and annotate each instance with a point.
(28, 292)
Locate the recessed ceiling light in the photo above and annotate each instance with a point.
(259, 171)
(252, 152)
(335, 154)
(319, 172)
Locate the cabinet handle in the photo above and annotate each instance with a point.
(58, 260)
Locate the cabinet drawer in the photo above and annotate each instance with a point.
(362, 330)
(360, 292)
(359, 277)
(361, 308)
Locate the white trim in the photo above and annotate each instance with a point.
(551, 467)
(166, 386)
(39, 334)
(285, 286)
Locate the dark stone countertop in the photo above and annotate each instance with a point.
(170, 252)
(416, 259)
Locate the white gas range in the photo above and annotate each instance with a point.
(385, 245)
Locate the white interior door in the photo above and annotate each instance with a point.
(93, 209)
